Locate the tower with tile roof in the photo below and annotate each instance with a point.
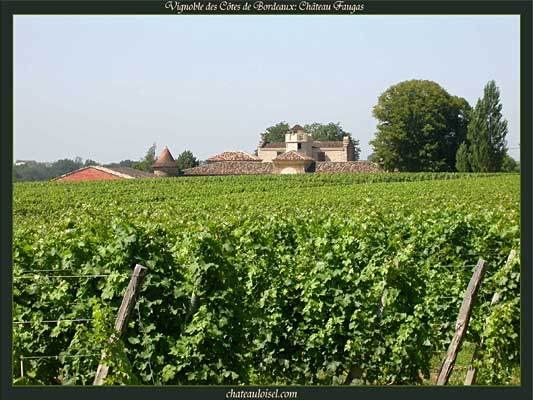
(165, 165)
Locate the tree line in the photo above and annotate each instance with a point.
(421, 127)
(42, 171)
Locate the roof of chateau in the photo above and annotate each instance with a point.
(293, 156)
(230, 168)
(329, 167)
(233, 156)
(274, 145)
(328, 144)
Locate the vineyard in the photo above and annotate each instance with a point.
(296, 280)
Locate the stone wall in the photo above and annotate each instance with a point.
(335, 155)
(292, 167)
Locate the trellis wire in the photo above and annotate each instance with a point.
(22, 358)
(31, 271)
(63, 305)
(453, 266)
(68, 276)
(60, 356)
(53, 320)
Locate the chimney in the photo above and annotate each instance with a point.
(346, 141)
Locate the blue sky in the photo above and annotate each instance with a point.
(107, 87)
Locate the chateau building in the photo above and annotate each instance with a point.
(297, 140)
(298, 154)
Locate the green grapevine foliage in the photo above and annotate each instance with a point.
(295, 279)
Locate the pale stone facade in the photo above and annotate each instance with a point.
(298, 140)
(292, 162)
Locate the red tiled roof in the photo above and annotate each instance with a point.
(233, 156)
(134, 173)
(292, 156)
(165, 159)
(94, 172)
(274, 145)
(328, 144)
(329, 167)
(231, 168)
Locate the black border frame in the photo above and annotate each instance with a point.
(371, 7)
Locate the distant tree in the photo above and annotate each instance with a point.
(275, 133)
(127, 163)
(186, 160)
(65, 166)
(40, 171)
(462, 163)
(420, 127)
(509, 164)
(123, 163)
(487, 131)
(89, 162)
(32, 172)
(146, 163)
(330, 132)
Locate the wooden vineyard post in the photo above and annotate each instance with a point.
(128, 302)
(462, 323)
(472, 371)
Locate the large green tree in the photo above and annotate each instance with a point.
(186, 160)
(420, 127)
(486, 132)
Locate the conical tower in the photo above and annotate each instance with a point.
(165, 165)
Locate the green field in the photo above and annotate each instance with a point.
(299, 277)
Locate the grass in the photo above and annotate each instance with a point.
(462, 362)
(458, 375)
